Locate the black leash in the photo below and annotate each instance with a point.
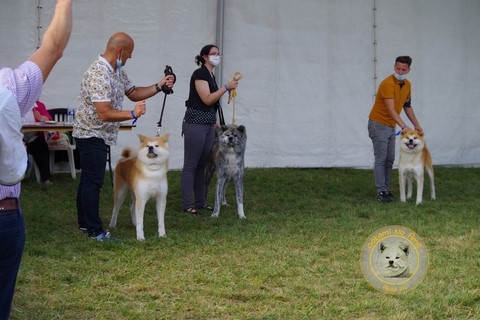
(159, 123)
(166, 90)
(220, 115)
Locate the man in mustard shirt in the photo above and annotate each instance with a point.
(393, 95)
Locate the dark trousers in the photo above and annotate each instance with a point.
(93, 159)
(198, 143)
(38, 148)
(12, 242)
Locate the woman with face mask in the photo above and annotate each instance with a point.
(198, 127)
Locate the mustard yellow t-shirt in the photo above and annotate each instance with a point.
(390, 89)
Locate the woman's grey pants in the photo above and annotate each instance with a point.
(198, 143)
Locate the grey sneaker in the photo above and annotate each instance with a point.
(384, 197)
(105, 236)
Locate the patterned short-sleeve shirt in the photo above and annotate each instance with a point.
(100, 83)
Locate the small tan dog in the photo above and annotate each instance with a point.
(145, 175)
(414, 160)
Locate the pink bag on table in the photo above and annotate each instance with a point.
(53, 138)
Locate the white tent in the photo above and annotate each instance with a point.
(310, 67)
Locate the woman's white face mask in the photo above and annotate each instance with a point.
(214, 60)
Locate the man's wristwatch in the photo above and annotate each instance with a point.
(158, 88)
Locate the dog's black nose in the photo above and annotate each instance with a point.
(390, 262)
(150, 148)
(230, 138)
(411, 140)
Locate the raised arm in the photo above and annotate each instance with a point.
(55, 38)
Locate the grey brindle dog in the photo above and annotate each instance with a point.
(227, 159)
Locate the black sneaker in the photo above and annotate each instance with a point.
(389, 193)
(105, 237)
(384, 197)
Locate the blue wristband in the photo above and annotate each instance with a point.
(133, 117)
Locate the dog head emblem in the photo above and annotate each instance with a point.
(412, 141)
(153, 149)
(393, 259)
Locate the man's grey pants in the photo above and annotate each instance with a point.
(383, 139)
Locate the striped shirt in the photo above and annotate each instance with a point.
(25, 82)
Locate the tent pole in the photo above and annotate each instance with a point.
(39, 24)
(375, 43)
(219, 37)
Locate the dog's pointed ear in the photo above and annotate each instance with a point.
(382, 247)
(141, 137)
(241, 128)
(405, 248)
(165, 137)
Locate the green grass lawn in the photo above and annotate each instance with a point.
(296, 256)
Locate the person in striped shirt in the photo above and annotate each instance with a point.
(20, 87)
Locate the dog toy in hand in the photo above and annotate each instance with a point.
(237, 76)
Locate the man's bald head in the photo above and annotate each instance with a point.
(119, 46)
(119, 40)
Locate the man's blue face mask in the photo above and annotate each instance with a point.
(119, 62)
(119, 65)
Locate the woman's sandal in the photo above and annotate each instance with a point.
(207, 208)
(191, 211)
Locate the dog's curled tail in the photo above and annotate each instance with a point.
(126, 153)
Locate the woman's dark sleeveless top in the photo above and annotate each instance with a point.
(197, 112)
